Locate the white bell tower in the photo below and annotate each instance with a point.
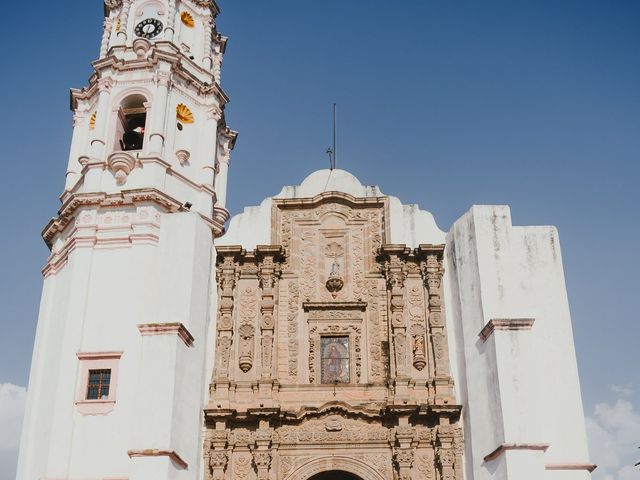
(124, 342)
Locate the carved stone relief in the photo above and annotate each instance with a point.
(226, 276)
(376, 365)
(417, 329)
(246, 330)
(292, 327)
(271, 415)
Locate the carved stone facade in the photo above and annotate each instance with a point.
(332, 351)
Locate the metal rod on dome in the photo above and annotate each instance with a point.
(335, 136)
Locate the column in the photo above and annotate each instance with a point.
(170, 31)
(80, 130)
(158, 114)
(432, 274)
(226, 140)
(106, 35)
(121, 38)
(207, 61)
(98, 142)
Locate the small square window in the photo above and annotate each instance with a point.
(98, 384)
(98, 381)
(335, 359)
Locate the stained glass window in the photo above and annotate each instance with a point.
(335, 359)
(98, 384)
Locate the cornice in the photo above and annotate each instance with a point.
(126, 197)
(209, 4)
(505, 324)
(505, 447)
(230, 135)
(360, 306)
(328, 197)
(158, 53)
(331, 407)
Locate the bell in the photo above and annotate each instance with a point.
(132, 139)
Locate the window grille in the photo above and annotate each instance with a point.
(98, 384)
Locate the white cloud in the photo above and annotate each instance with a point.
(625, 390)
(614, 438)
(12, 400)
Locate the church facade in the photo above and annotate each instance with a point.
(329, 333)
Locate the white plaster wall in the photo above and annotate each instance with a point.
(95, 304)
(518, 387)
(408, 224)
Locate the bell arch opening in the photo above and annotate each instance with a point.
(132, 121)
(335, 475)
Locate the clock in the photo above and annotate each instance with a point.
(149, 28)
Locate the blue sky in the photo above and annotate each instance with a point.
(535, 104)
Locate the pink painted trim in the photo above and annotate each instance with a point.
(515, 446)
(97, 361)
(589, 467)
(151, 452)
(505, 324)
(99, 355)
(167, 329)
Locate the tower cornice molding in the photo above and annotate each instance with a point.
(180, 65)
(75, 201)
(209, 4)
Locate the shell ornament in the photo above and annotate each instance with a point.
(183, 114)
(187, 19)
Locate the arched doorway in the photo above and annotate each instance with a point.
(335, 475)
(338, 467)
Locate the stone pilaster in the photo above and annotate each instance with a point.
(433, 272)
(217, 453)
(227, 277)
(394, 269)
(446, 453)
(269, 274)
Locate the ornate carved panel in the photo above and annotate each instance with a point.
(333, 338)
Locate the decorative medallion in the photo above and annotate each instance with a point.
(187, 19)
(184, 114)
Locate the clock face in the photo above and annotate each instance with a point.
(149, 28)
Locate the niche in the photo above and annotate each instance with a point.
(132, 120)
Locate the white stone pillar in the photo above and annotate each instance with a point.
(170, 31)
(106, 36)
(209, 147)
(102, 119)
(158, 114)
(224, 155)
(207, 47)
(121, 38)
(74, 168)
